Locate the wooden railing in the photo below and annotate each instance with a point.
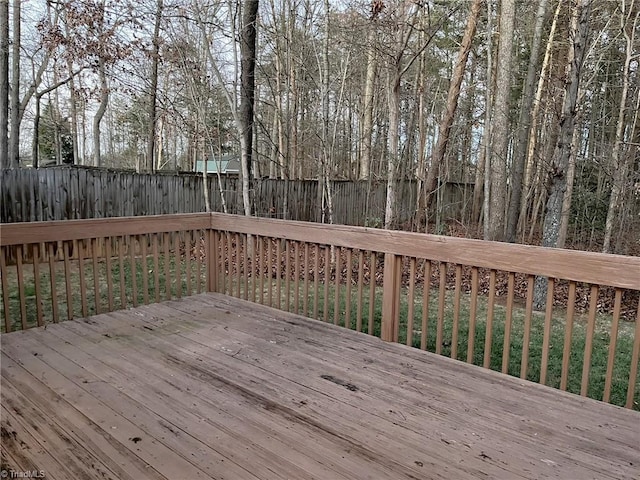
(471, 300)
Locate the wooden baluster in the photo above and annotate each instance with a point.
(145, 269)
(134, 270)
(360, 290)
(261, 268)
(167, 266)
(5, 288)
(109, 272)
(488, 339)
(456, 312)
(77, 247)
(278, 266)
(338, 278)
(96, 275)
(270, 271)
(473, 312)
(411, 300)
(305, 295)
(617, 304)
(635, 356)
(238, 279)
(426, 287)
(36, 279)
(67, 279)
(327, 279)
(199, 234)
(316, 280)
(123, 295)
(188, 245)
(347, 307)
(568, 334)
(591, 326)
(287, 276)
(296, 283)
(156, 267)
(372, 293)
(53, 283)
(245, 266)
(546, 339)
(508, 322)
(442, 291)
(526, 339)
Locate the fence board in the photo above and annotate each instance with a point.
(74, 192)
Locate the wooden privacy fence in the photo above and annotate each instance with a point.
(73, 192)
(422, 290)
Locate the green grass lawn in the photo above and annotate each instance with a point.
(72, 307)
(600, 348)
(178, 284)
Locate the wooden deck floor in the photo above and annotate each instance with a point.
(214, 387)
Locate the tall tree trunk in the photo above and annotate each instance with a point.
(247, 95)
(524, 124)
(618, 164)
(438, 155)
(324, 180)
(566, 201)
(500, 134)
(530, 166)
(153, 91)
(97, 118)
(35, 153)
(14, 140)
(367, 120)
(486, 134)
(562, 150)
(392, 148)
(4, 83)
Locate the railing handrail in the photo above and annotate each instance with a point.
(589, 267)
(63, 230)
(579, 266)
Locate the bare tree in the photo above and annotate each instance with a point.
(4, 83)
(153, 89)
(372, 67)
(14, 103)
(500, 134)
(247, 95)
(438, 155)
(629, 29)
(524, 124)
(562, 150)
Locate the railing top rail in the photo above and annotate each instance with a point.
(589, 267)
(62, 230)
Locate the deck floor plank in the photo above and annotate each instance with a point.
(486, 450)
(210, 386)
(173, 401)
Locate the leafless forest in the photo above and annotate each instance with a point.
(536, 103)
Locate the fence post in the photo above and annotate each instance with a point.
(391, 297)
(212, 260)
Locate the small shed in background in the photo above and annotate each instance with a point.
(227, 164)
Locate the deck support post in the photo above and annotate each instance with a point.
(391, 297)
(212, 260)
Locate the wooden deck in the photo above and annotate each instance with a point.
(214, 387)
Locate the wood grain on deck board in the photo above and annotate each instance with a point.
(214, 387)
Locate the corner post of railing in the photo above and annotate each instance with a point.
(391, 297)
(212, 259)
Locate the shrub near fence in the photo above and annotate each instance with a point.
(73, 192)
